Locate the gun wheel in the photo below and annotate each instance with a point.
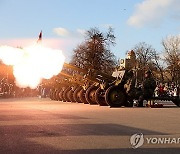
(51, 94)
(100, 97)
(61, 95)
(76, 94)
(115, 97)
(54, 94)
(90, 95)
(57, 98)
(65, 94)
(82, 96)
(70, 95)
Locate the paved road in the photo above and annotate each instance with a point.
(33, 125)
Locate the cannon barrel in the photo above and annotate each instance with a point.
(72, 79)
(75, 68)
(92, 75)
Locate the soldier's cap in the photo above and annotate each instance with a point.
(148, 72)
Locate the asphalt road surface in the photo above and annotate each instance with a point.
(34, 125)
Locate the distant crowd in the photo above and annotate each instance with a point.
(9, 90)
(163, 90)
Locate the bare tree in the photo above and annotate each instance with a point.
(158, 65)
(171, 47)
(144, 54)
(95, 52)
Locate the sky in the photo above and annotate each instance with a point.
(64, 22)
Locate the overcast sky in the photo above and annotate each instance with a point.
(63, 22)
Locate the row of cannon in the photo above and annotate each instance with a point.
(90, 87)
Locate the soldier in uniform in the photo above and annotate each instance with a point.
(129, 87)
(148, 88)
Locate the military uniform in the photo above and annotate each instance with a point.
(148, 88)
(129, 87)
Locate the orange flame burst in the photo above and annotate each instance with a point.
(32, 64)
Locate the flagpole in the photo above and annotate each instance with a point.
(40, 37)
